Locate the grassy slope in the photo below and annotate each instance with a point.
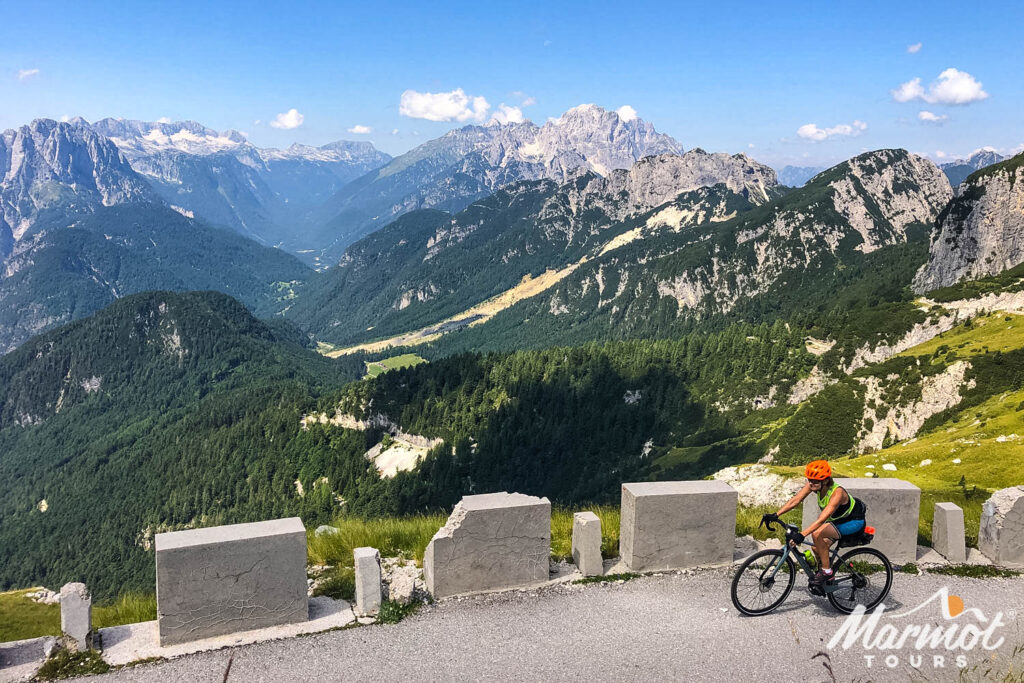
(22, 618)
(987, 439)
(406, 360)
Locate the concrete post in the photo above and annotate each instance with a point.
(76, 616)
(586, 543)
(948, 532)
(368, 591)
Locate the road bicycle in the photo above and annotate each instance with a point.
(862, 576)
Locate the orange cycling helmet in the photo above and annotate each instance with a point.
(818, 470)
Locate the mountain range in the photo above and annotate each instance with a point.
(595, 304)
(263, 193)
(80, 228)
(469, 163)
(957, 171)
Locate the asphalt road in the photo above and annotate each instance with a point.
(663, 627)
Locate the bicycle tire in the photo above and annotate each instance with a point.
(735, 590)
(846, 600)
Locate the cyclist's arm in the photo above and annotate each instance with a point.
(795, 500)
(830, 508)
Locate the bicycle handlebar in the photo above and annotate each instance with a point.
(789, 528)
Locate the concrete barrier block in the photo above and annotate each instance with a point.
(1001, 535)
(677, 524)
(586, 543)
(368, 598)
(225, 579)
(948, 532)
(76, 616)
(894, 507)
(491, 541)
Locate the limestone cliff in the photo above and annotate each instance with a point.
(981, 233)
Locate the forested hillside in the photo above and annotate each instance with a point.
(163, 409)
(74, 266)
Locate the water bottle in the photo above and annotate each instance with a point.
(811, 558)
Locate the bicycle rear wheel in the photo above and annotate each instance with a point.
(757, 588)
(864, 576)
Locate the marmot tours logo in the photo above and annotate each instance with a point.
(921, 642)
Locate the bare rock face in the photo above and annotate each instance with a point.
(982, 231)
(659, 179)
(900, 422)
(51, 165)
(1001, 535)
(491, 541)
(864, 204)
(757, 485)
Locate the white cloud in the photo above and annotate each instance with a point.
(27, 73)
(952, 87)
(65, 118)
(750, 145)
(911, 90)
(163, 119)
(288, 120)
(929, 117)
(914, 49)
(626, 112)
(359, 129)
(810, 131)
(940, 154)
(525, 100)
(394, 132)
(443, 106)
(507, 114)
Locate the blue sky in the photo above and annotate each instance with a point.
(736, 77)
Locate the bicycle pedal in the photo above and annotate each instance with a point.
(816, 590)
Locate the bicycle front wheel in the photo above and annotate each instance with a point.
(864, 576)
(757, 587)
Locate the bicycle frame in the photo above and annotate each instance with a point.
(836, 584)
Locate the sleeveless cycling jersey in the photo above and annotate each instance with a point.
(854, 510)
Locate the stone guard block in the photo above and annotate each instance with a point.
(1001, 536)
(677, 524)
(225, 579)
(948, 532)
(586, 543)
(368, 587)
(491, 541)
(76, 615)
(894, 507)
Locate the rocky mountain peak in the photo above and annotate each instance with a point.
(981, 232)
(957, 171)
(906, 188)
(660, 178)
(61, 166)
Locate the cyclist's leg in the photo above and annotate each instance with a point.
(824, 537)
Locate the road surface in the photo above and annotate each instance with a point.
(653, 628)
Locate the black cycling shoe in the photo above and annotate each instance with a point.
(819, 581)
